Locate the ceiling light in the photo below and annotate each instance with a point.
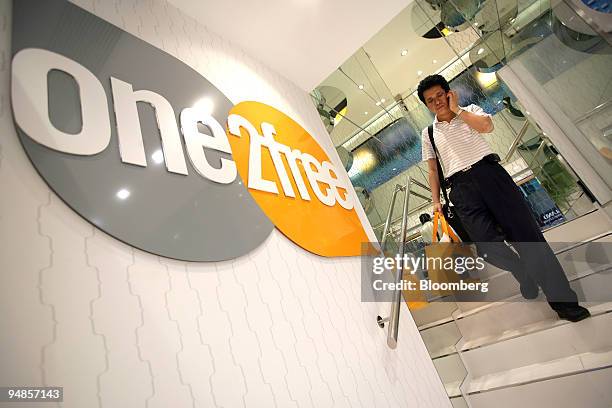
(419, 73)
(123, 194)
(382, 100)
(480, 51)
(360, 87)
(363, 161)
(486, 79)
(528, 113)
(377, 103)
(365, 113)
(158, 156)
(404, 53)
(434, 61)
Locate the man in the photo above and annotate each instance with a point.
(487, 201)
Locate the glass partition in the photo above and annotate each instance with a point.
(378, 118)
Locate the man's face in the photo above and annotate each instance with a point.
(436, 100)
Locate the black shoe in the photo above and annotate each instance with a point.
(572, 312)
(529, 289)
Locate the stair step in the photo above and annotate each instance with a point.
(458, 402)
(594, 285)
(576, 256)
(589, 389)
(525, 318)
(550, 340)
(452, 373)
(506, 320)
(440, 340)
(538, 372)
(574, 261)
(433, 314)
(579, 229)
(453, 389)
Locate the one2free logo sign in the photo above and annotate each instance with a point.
(148, 150)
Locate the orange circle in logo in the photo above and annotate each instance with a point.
(293, 181)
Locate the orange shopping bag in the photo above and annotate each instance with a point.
(441, 256)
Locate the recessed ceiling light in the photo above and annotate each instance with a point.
(365, 113)
(480, 51)
(404, 53)
(434, 61)
(419, 73)
(377, 103)
(123, 194)
(382, 100)
(360, 87)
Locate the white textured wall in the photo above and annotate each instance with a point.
(117, 327)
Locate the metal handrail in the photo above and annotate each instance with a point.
(535, 155)
(516, 142)
(397, 294)
(383, 240)
(418, 183)
(393, 318)
(415, 209)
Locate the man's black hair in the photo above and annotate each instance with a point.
(431, 81)
(424, 218)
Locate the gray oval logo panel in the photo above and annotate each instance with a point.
(123, 133)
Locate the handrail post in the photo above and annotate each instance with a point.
(397, 294)
(515, 142)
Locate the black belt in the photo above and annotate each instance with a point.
(489, 158)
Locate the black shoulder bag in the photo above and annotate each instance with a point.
(447, 208)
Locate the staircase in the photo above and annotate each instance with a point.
(517, 353)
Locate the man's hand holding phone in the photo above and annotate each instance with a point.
(453, 101)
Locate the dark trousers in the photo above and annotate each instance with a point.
(493, 209)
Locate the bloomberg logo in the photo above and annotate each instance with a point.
(132, 139)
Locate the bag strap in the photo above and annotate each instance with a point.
(446, 228)
(440, 172)
(436, 218)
